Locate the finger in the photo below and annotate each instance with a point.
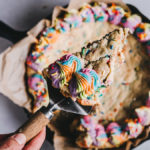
(15, 142)
(36, 143)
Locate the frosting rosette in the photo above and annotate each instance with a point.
(37, 60)
(115, 14)
(62, 26)
(96, 132)
(84, 83)
(143, 32)
(131, 22)
(36, 82)
(143, 114)
(133, 128)
(86, 13)
(73, 19)
(31, 60)
(99, 13)
(101, 136)
(61, 71)
(116, 136)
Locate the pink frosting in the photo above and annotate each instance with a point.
(143, 114)
(132, 22)
(35, 82)
(133, 128)
(113, 127)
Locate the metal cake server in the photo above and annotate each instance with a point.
(42, 117)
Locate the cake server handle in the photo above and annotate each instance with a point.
(36, 123)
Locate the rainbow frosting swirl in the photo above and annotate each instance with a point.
(68, 75)
(84, 83)
(61, 71)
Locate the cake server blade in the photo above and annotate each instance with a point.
(71, 106)
(59, 102)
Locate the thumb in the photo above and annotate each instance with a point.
(15, 142)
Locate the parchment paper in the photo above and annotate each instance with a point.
(12, 67)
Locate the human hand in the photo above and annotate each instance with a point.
(18, 141)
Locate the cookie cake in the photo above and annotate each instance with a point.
(94, 37)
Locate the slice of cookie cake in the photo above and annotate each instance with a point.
(85, 75)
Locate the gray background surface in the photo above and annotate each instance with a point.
(23, 15)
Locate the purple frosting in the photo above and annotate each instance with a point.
(54, 72)
(73, 87)
(88, 123)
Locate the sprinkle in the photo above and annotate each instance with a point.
(100, 95)
(111, 47)
(115, 109)
(102, 86)
(125, 83)
(103, 103)
(121, 104)
(102, 112)
(65, 51)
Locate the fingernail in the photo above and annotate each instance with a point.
(20, 138)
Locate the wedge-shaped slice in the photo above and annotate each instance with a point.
(83, 75)
(110, 45)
